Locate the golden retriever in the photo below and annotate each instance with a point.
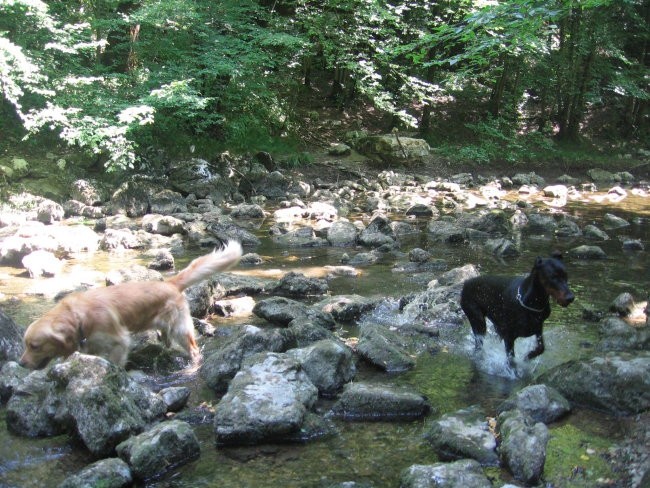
(99, 321)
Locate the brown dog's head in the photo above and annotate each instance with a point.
(51, 336)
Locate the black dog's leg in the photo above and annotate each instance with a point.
(510, 349)
(539, 349)
(477, 321)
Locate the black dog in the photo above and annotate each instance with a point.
(518, 306)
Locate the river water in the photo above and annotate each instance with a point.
(376, 452)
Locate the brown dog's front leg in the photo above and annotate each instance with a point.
(538, 350)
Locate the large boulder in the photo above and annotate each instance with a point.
(392, 147)
(542, 403)
(88, 396)
(267, 401)
(106, 473)
(617, 383)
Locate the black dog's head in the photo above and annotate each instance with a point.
(552, 275)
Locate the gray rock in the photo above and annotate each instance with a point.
(445, 231)
(297, 285)
(85, 395)
(347, 308)
(328, 364)
(166, 446)
(592, 232)
(365, 401)
(11, 339)
(384, 348)
(378, 232)
(503, 248)
(464, 434)
(541, 403)
(12, 375)
(342, 234)
(167, 202)
(617, 383)
(523, 445)
(541, 224)
(612, 221)
(618, 335)
(49, 212)
(221, 365)
(165, 225)
(175, 397)
(587, 252)
(281, 311)
(465, 473)
(105, 473)
(267, 401)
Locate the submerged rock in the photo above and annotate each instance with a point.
(465, 473)
(364, 401)
(107, 473)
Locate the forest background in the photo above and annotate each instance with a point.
(484, 82)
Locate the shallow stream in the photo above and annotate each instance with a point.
(376, 452)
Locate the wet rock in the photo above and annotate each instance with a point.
(384, 348)
(329, 365)
(463, 434)
(633, 245)
(540, 402)
(306, 332)
(281, 311)
(165, 225)
(86, 395)
(612, 221)
(618, 335)
(303, 237)
(539, 223)
(247, 211)
(267, 401)
(556, 191)
(107, 473)
(175, 397)
(220, 366)
(166, 446)
(418, 255)
(362, 258)
(446, 231)
(342, 234)
(567, 228)
(587, 252)
(616, 382)
(227, 231)
(523, 445)
(296, 285)
(378, 232)
(272, 185)
(592, 232)
(422, 210)
(366, 401)
(148, 352)
(502, 248)
(347, 308)
(528, 179)
(115, 239)
(11, 339)
(623, 304)
(465, 473)
(42, 263)
(12, 375)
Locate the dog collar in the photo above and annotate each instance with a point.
(521, 302)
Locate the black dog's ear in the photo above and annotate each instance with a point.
(557, 255)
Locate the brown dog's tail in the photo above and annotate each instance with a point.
(205, 266)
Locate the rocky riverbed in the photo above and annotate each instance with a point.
(291, 353)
